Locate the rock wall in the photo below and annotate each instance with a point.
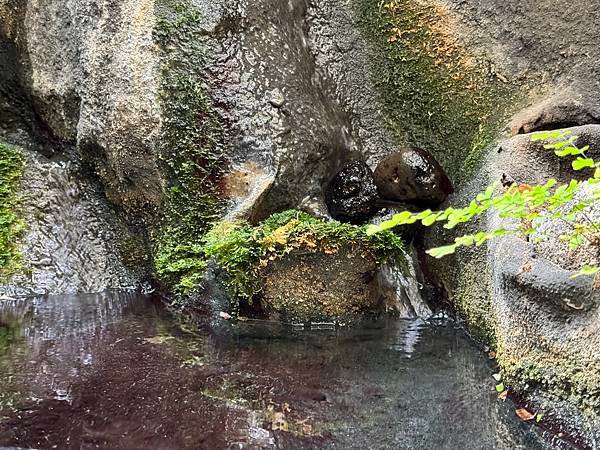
(90, 72)
(297, 88)
(516, 296)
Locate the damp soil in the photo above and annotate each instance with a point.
(117, 370)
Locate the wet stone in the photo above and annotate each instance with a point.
(276, 99)
(351, 195)
(414, 176)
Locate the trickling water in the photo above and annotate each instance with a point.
(70, 242)
(115, 370)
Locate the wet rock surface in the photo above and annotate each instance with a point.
(338, 286)
(522, 294)
(90, 72)
(351, 195)
(412, 175)
(72, 242)
(318, 287)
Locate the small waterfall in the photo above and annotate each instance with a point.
(401, 288)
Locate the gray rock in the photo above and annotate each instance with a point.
(522, 295)
(91, 70)
(277, 99)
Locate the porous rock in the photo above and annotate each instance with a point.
(351, 195)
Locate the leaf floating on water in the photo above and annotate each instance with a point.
(525, 415)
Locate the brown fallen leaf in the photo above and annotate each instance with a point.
(526, 267)
(524, 414)
(503, 395)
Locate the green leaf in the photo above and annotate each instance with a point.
(430, 220)
(373, 229)
(440, 252)
(587, 270)
(582, 163)
(500, 387)
(539, 417)
(569, 151)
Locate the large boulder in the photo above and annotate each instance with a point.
(91, 73)
(413, 175)
(334, 286)
(521, 298)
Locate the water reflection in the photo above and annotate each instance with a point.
(114, 370)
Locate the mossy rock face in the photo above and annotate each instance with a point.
(434, 92)
(11, 222)
(321, 285)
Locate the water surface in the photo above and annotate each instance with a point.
(116, 370)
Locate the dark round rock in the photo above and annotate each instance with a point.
(351, 195)
(414, 176)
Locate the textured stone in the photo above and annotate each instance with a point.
(91, 71)
(412, 175)
(337, 285)
(351, 195)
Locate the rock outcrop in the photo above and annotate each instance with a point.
(91, 72)
(101, 83)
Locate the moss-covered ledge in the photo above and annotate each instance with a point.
(290, 240)
(11, 223)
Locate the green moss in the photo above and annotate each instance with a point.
(433, 94)
(576, 383)
(471, 296)
(242, 250)
(190, 146)
(11, 223)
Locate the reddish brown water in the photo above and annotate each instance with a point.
(117, 371)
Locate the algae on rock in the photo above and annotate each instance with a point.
(341, 257)
(191, 148)
(433, 92)
(11, 223)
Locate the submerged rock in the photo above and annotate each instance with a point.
(351, 195)
(413, 175)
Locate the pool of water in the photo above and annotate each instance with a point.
(116, 370)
